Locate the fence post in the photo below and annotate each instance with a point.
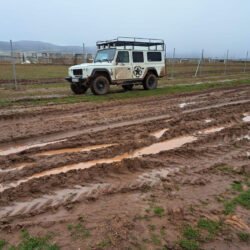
(172, 71)
(245, 66)
(13, 65)
(83, 54)
(225, 70)
(199, 63)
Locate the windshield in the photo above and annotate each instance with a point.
(106, 55)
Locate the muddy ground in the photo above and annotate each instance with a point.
(147, 173)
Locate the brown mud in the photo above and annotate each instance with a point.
(112, 166)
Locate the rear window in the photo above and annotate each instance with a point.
(138, 57)
(154, 56)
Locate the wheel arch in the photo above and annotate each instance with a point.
(105, 72)
(151, 70)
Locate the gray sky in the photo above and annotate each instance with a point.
(187, 25)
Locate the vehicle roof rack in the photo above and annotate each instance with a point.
(131, 41)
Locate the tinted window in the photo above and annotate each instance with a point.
(154, 56)
(123, 57)
(138, 57)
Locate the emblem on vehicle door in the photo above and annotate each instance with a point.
(137, 71)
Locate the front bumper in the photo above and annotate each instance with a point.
(75, 79)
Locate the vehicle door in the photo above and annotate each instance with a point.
(123, 69)
(138, 64)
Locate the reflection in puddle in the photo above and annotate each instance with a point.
(184, 104)
(158, 134)
(73, 150)
(20, 148)
(152, 149)
(16, 168)
(246, 118)
(208, 120)
(211, 130)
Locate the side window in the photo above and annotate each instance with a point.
(122, 57)
(154, 56)
(138, 57)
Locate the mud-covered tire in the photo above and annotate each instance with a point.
(128, 87)
(78, 89)
(100, 85)
(150, 82)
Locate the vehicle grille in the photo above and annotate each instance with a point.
(77, 72)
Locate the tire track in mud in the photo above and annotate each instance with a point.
(144, 180)
(92, 191)
(227, 145)
(64, 135)
(71, 117)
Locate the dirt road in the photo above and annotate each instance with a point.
(134, 174)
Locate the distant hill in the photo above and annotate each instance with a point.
(38, 46)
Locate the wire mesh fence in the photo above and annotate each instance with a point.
(48, 68)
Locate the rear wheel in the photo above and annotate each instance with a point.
(150, 82)
(78, 89)
(100, 85)
(128, 87)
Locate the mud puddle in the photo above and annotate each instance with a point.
(152, 149)
(208, 120)
(184, 104)
(159, 133)
(19, 148)
(211, 130)
(17, 167)
(73, 150)
(246, 118)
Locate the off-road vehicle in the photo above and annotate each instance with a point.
(123, 61)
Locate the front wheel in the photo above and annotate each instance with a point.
(78, 89)
(100, 85)
(150, 82)
(128, 87)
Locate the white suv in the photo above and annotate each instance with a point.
(123, 61)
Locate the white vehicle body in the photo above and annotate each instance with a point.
(122, 62)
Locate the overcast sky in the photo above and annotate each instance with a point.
(187, 25)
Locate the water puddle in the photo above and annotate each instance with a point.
(211, 130)
(247, 137)
(158, 134)
(149, 150)
(184, 104)
(246, 118)
(20, 148)
(208, 120)
(73, 150)
(152, 149)
(16, 168)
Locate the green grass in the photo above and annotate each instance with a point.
(78, 231)
(244, 236)
(229, 207)
(159, 211)
(212, 227)
(237, 186)
(191, 233)
(2, 244)
(203, 231)
(243, 199)
(138, 93)
(189, 244)
(32, 242)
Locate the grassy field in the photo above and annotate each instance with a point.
(40, 71)
(33, 71)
